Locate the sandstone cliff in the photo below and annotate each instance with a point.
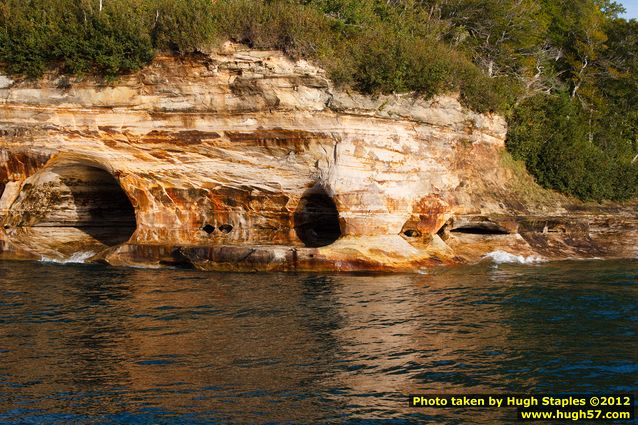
(246, 160)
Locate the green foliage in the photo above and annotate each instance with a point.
(372, 45)
(36, 33)
(182, 26)
(297, 30)
(564, 72)
(551, 134)
(582, 137)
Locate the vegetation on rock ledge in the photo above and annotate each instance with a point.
(564, 72)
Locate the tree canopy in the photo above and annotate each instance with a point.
(563, 72)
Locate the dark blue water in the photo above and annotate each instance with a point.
(87, 344)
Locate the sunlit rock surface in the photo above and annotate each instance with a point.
(246, 160)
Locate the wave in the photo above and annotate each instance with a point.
(503, 257)
(77, 258)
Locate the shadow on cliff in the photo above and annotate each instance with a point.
(104, 212)
(71, 209)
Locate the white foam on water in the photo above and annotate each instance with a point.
(503, 257)
(77, 258)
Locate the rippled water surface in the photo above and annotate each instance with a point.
(87, 344)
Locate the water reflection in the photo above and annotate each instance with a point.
(129, 346)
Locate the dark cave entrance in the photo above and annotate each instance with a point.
(67, 209)
(481, 229)
(317, 219)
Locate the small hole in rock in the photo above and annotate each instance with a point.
(411, 233)
(226, 228)
(208, 229)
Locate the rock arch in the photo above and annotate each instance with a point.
(70, 209)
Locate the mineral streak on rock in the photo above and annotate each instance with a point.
(246, 160)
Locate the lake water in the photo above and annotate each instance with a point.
(86, 344)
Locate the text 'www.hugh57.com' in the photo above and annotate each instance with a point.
(574, 407)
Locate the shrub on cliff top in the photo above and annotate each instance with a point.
(565, 73)
(374, 46)
(36, 33)
(182, 26)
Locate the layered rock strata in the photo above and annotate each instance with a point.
(245, 160)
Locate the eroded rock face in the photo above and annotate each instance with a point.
(245, 160)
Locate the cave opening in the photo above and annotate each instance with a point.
(226, 228)
(481, 229)
(317, 219)
(412, 233)
(73, 208)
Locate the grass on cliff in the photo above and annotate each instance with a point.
(564, 72)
